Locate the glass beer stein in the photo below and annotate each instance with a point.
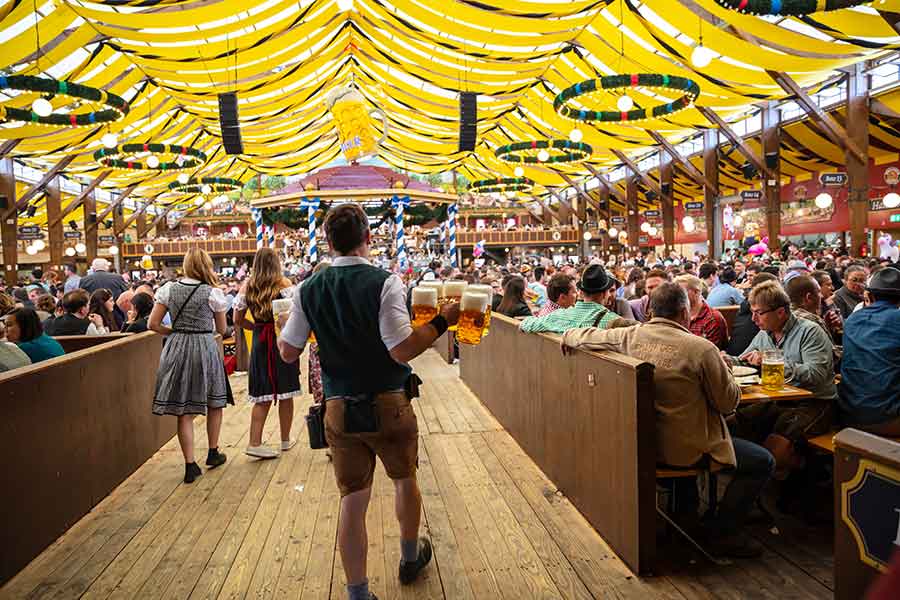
(424, 305)
(773, 370)
(484, 289)
(453, 292)
(472, 317)
(280, 306)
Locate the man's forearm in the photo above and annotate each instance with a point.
(418, 342)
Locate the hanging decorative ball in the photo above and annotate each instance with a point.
(205, 188)
(518, 171)
(794, 8)
(501, 184)
(538, 151)
(120, 157)
(183, 178)
(701, 56)
(575, 135)
(152, 161)
(110, 140)
(689, 89)
(891, 200)
(824, 200)
(624, 103)
(41, 113)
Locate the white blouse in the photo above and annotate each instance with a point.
(217, 301)
(240, 302)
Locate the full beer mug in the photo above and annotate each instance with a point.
(424, 305)
(280, 306)
(772, 370)
(484, 289)
(354, 123)
(472, 317)
(453, 292)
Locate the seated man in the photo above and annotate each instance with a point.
(725, 294)
(706, 322)
(75, 320)
(847, 297)
(639, 306)
(694, 390)
(870, 369)
(561, 293)
(596, 286)
(808, 364)
(806, 300)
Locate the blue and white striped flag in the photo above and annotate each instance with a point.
(258, 220)
(451, 228)
(311, 205)
(399, 203)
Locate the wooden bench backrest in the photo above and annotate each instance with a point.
(587, 420)
(729, 312)
(74, 343)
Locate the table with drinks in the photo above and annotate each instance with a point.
(772, 386)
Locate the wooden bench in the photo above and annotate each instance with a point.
(729, 312)
(825, 442)
(712, 500)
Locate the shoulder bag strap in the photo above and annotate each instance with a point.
(600, 316)
(188, 299)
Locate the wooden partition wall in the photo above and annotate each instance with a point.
(71, 429)
(586, 419)
(74, 343)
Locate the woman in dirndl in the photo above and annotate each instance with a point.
(191, 378)
(271, 379)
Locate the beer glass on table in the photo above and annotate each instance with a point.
(772, 370)
(472, 317)
(453, 292)
(484, 289)
(424, 305)
(279, 307)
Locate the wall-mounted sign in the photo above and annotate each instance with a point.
(72, 235)
(643, 239)
(108, 239)
(617, 220)
(895, 218)
(30, 232)
(651, 214)
(752, 194)
(693, 206)
(869, 507)
(834, 179)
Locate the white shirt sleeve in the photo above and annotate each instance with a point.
(217, 301)
(393, 318)
(296, 330)
(162, 294)
(240, 303)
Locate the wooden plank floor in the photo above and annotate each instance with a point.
(267, 529)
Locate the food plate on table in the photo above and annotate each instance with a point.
(740, 371)
(746, 380)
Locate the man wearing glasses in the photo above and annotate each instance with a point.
(846, 298)
(808, 364)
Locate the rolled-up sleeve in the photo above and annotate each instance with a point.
(393, 318)
(816, 367)
(296, 331)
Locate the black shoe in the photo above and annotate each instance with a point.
(215, 459)
(733, 546)
(409, 571)
(191, 472)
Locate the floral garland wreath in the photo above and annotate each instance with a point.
(186, 158)
(689, 88)
(522, 152)
(794, 8)
(501, 184)
(216, 184)
(116, 106)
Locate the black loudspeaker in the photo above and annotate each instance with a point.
(31, 210)
(468, 121)
(108, 224)
(92, 219)
(228, 120)
(73, 225)
(666, 188)
(748, 170)
(4, 203)
(772, 160)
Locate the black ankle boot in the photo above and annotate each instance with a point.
(215, 458)
(191, 472)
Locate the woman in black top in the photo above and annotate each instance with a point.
(141, 305)
(513, 303)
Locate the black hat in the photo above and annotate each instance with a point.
(595, 280)
(885, 280)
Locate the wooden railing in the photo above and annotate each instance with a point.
(537, 237)
(216, 247)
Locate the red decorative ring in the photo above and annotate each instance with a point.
(634, 80)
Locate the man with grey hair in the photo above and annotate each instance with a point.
(847, 297)
(694, 391)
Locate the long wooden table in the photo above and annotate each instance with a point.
(752, 394)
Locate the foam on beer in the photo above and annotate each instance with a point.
(474, 301)
(281, 305)
(454, 289)
(424, 296)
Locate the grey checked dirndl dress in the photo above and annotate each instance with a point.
(191, 375)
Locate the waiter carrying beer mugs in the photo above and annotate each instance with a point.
(358, 313)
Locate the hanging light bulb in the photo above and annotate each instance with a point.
(183, 178)
(205, 189)
(152, 161)
(689, 226)
(543, 155)
(824, 200)
(645, 226)
(613, 232)
(42, 107)
(688, 220)
(80, 247)
(891, 200)
(575, 135)
(625, 103)
(345, 5)
(738, 220)
(110, 139)
(30, 250)
(519, 171)
(70, 251)
(113, 250)
(587, 236)
(199, 201)
(39, 244)
(701, 56)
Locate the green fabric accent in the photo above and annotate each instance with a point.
(583, 314)
(342, 306)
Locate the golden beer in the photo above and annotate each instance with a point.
(424, 305)
(472, 317)
(453, 292)
(484, 289)
(772, 371)
(280, 306)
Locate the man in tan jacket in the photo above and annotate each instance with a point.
(694, 391)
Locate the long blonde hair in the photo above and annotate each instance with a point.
(198, 265)
(265, 284)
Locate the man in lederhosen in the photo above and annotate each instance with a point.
(359, 317)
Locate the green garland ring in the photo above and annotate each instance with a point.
(793, 8)
(218, 184)
(518, 152)
(109, 157)
(501, 184)
(116, 106)
(689, 88)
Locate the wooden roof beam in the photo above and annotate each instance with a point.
(39, 186)
(648, 181)
(112, 205)
(581, 193)
(693, 172)
(132, 218)
(737, 141)
(830, 127)
(8, 146)
(605, 182)
(80, 199)
(161, 216)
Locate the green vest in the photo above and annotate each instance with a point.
(342, 306)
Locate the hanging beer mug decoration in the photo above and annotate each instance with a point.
(353, 120)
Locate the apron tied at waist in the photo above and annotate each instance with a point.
(267, 338)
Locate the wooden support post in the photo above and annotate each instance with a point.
(771, 144)
(631, 197)
(81, 197)
(38, 187)
(90, 226)
(9, 227)
(119, 223)
(710, 192)
(666, 199)
(603, 200)
(54, 223)
(758, 162)
(140, 224)
(858, 170)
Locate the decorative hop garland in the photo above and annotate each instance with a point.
(218, 185)
(109, 157)
(116, 106)
(501, 184)
(794, 8)
(523, 151)
(617, 82)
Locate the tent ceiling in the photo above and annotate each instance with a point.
(410, 59)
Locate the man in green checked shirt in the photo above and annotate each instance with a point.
(596, 287)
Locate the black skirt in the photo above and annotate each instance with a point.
(271, 379)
